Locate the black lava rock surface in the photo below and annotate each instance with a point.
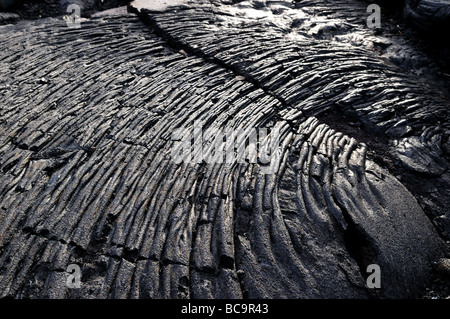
(87, 174)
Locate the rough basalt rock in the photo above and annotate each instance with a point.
(87, 175)
(33, 9)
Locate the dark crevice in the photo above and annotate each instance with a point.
(44, 233)
(359, 245)
(130, 255)
(226, 262)
(7, 167)
(206, 269)
(166, 262)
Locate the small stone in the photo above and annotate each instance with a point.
(183, 53)
(400, 129)
(443, 266)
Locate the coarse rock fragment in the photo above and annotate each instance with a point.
(443, 266)
(422, 154)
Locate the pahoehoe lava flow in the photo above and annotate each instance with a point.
(87, 174)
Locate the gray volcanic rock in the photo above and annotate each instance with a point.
(8, 17)
(156, 5)
(90, 173)
(32, 9)
(423, 154)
